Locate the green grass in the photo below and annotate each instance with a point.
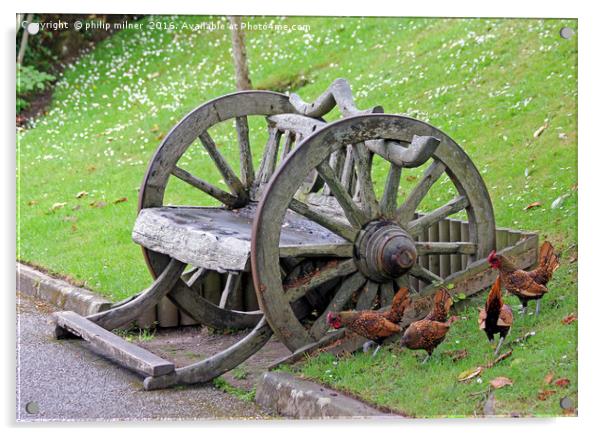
(221, 384)
(490, 84)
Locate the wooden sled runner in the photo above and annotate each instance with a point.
(299, 232)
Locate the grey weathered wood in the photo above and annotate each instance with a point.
(444, 259)
(113, 346)
(334, 226)
(424, 274)
(239, 54)
(270, 155)
(219, 194)
(406, 211)
(167, 314)
(217, 239)
(288, 139)
(348, 170)
(501, 238)
(199, 274)
(307, 349)
(230, 177)
(123, 315)
(338, 94)
(414, 155)
(148, 318)
(366, 298)
(299, 287)
(320, 250)
(424, 248)
(465, 235)
(388, 202)
(336, 162)
(455, 234)
(434, 265)
(425, 221)
(246, 158)
(338, 302)
(354, 214)
(301, 124)
(364, 179)
(232, 285)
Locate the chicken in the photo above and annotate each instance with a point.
(442, 302)
(495, 317)
(371, 324)
(426, 335)
(527, 285)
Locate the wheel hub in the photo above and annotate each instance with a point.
(384, 251)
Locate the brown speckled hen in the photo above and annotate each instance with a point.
(426, 335)
(495, 317)
(371, 324)
(442, 302)
(527, 285)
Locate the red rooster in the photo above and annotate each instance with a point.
(527, 285)
(496, 317)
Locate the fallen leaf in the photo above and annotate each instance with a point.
(562, 382)
(73, 228)
(160, 136)
(500, 358)
(57, 206)
(532, 205)
(155, 128)
(548, 378)
(539, 131)
(98, 204)
(411, 178)
(558, 202)
(121, 200)
(500, 382)
(569, 319)
(470, 373)
(545, 394)
(32, 202)
(91, 168)
(573, 259)
(81, 194)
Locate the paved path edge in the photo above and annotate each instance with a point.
(303, 399)
(62, 294)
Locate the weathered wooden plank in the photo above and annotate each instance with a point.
(422, 272)
(455, 235)
(465, 235)
(334, 226)
(232, 285)
(501, 238)
(115, 347)
(348, 170)
(319, 250)
(433, 232)
(366, 298)
(444, 259)
(364, 177)
(270, 155)
(288, 139)
(167, 314)
(388, 202)
(296, 123)
(387, 291)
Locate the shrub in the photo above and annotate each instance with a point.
(30, 80)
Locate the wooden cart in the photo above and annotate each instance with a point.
(301, 232)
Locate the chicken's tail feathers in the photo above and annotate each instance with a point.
(398, 306)
(495, 294)
(548, 259)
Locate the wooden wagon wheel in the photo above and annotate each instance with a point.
(242, 188)
(378, 251)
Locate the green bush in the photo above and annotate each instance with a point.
(30, 80)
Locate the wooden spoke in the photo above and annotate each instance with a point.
(223, 196)
(445, 248)
(232, 285)
(224, 168)
(424, 274)
(336, 161)
(354, 214)
(317, 250)
(417, 226)
(387, 291)
(388, 202)
(348, 171)
(289, 139)
(366, 298)
(406, 211)
(342, 296)
(364, 176)
(246, 158)
(297, 288)
(334, 226)
(268, 163)
(199, 274)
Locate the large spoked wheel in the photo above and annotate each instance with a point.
(378, 246)
(220, 135)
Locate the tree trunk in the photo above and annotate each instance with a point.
(239, 53)
(24, 40)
